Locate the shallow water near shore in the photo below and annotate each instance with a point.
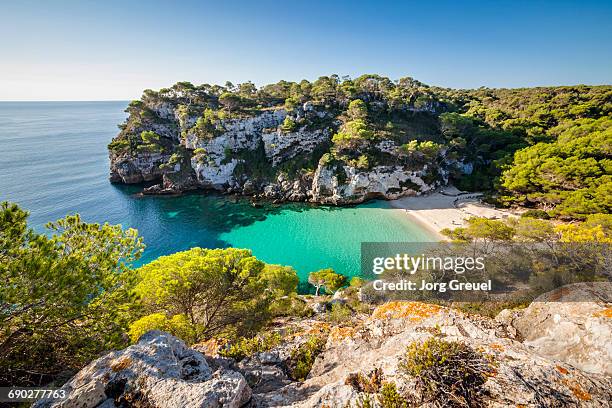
(54, 162)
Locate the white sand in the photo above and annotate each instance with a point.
(439, 210)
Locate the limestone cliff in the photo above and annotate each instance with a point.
(185, 139)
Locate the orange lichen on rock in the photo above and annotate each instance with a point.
(414, 311)
(121, 364)
(577, 390)
(319, 328)
(562, 370)
(604, 313)
(496, 347)
(492, 373)
(340, 333)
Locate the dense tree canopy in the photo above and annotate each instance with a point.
(571, 175)
(62, 296)
(70, 295)
(213, 291)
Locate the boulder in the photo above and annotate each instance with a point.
(572, 324)
(318, 307)
(158, 371)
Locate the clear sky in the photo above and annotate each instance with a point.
(112, 50)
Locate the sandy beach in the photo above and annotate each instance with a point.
(447, 208)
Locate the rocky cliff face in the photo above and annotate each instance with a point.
(389, 182)
(271, 153)
(142, 167)
(359, 356)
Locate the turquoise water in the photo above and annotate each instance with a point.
(53, 161)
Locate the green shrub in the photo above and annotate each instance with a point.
(536, 214)
(602, 220)
(353, 133)
(291, 103)
(149, 148)
(302, 358)
(288, 125)
(63, 294)
(364, 401)
(357, 109)
(174, 159)
(326, 159)
(208, 125)
(449, 372)
(339, 313)
(390, 398)
(246, 347)
(150, 137)
(326, 279)
(119, 145)
(221, 290)
(178, 325)
(491, 308)
(290, 305)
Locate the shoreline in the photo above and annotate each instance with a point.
(422, 222)
(446, 208)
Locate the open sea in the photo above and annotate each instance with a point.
(53, 162)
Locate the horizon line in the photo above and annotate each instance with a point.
(66, 100)
(436, 86)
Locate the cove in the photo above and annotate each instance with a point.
(324, 237)
(54, 162)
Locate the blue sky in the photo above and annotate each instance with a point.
(109, 50)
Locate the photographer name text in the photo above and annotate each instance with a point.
(453, 285)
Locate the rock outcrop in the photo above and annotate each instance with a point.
(158, 371)
(572, 324)
(388, 182)
(137, 169)
(521, 376)
(533, 359)
(257, 154)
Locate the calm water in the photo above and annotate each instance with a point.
(53, 161)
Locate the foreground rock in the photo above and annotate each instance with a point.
(158, 371)
(550, 368)
(572, 324)
(521, 378)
